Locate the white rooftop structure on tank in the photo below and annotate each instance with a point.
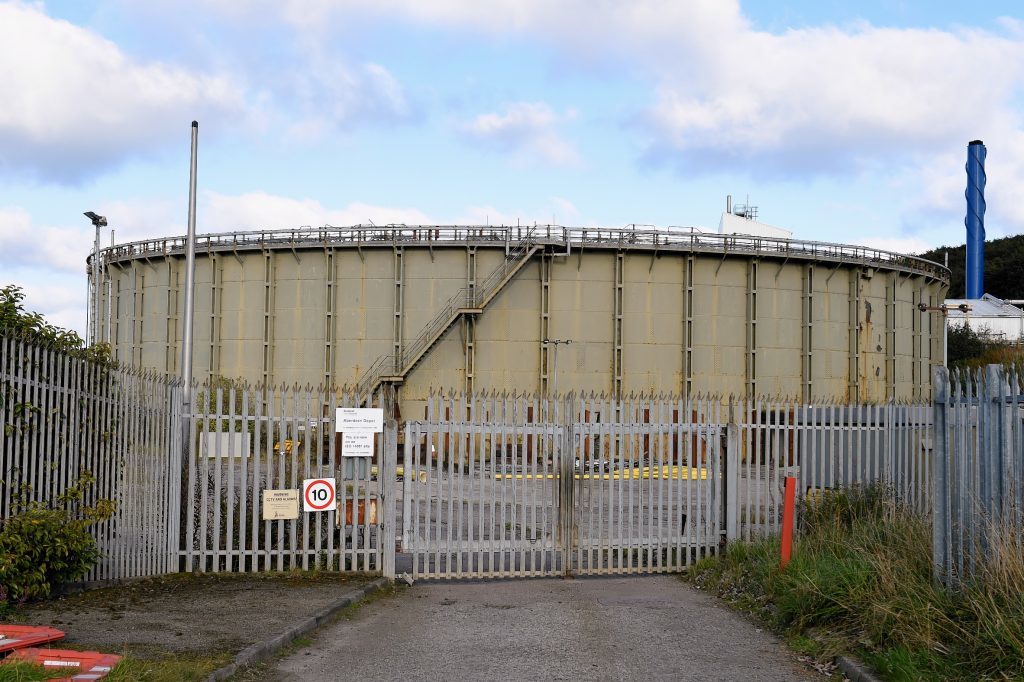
(988, 316)
(742, 219)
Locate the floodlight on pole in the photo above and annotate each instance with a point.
(93, 312)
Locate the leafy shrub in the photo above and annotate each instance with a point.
(43, 547)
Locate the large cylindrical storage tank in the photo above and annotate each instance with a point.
(470, 308)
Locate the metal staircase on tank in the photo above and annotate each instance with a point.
(466, 301)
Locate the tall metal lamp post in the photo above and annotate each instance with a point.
(190, 275)
(93, 313)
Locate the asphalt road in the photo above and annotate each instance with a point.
(640, 628)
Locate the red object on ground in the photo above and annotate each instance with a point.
(21, 636)
(81, 665)
(787, 521)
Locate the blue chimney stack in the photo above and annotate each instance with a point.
(975, 220)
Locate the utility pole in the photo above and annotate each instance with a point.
(93, 315)
(190, 276)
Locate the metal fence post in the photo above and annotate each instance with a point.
(731, 475)
(940, 480)
(387, 473)
(566, 503)
(998, 453)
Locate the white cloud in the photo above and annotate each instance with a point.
(144, 218)
(527, 130)
(557, 211)
(828, 98)
(259, 210)
(22, 242)
(897, 244)
(75, 103)
(59, 299)
(332, 94)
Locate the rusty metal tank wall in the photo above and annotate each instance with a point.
(638, 318)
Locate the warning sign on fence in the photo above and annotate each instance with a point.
(280, 504)
(318, 494)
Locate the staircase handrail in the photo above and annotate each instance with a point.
(463, 298)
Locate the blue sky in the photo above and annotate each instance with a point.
(842, 121)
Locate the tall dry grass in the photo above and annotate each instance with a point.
(861, 580)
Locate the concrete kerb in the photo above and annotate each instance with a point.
(854, 670)
(262, 651)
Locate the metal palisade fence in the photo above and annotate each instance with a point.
(979, 464)
(486, 484)
(825, 446)
(504, 485)
(67, 421)
(246, 441)
(519, 485)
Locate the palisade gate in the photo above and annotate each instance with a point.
(502, 485)
(494, 485)
(518, 485)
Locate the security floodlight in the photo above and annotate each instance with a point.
(92, 316)
(97, 220)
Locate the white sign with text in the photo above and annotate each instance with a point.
(370, 419)
(357, 444)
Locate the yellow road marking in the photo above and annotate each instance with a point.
(646, 473)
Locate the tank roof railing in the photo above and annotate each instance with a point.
(672, 238)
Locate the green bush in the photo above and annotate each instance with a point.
(44, 546)
(41, 549)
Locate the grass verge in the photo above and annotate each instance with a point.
(166, 668)
(860, 581)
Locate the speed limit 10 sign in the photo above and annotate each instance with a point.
(318, 494)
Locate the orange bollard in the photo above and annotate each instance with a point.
(787, 521)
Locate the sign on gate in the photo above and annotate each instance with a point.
(359, 419)
(357, 444)
(318, 494)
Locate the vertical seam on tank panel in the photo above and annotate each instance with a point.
(617, 325)
(171, 327)
(268, 316)
(330, 301)
(917, 345)
(216, 279)
(808, 335)
(751, 364)
(399, 270)
(469, 322)
(117, 317)
(136, 354)
(687, 325)
(545, 321)
(890, 337)
(854, 338)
